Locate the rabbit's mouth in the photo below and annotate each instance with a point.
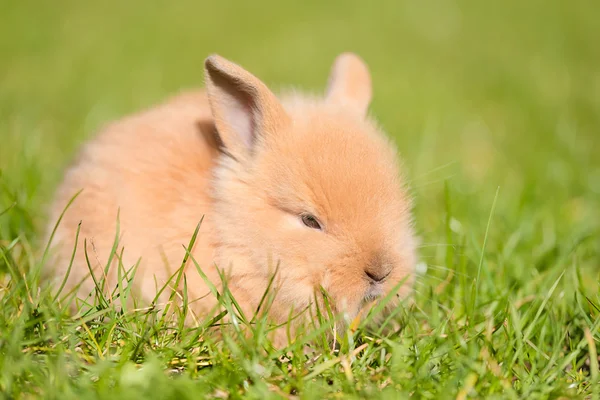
(373, 293)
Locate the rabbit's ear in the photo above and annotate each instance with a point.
(350, 83)
(244, 109)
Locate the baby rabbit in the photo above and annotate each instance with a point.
(306, 186)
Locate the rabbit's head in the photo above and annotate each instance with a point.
(310, 185)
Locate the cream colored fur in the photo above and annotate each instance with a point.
(251, 164)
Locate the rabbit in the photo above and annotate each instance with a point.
(307, 187)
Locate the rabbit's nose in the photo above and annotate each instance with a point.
(376, 277)
(378, 267)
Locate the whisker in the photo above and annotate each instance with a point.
(442, 268)
(425, 277)
(429, 256)
(437, 244)
(423, 284)
(433, 182)
(434, 170)
(432, 301)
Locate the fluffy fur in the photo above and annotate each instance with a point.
(253, 165)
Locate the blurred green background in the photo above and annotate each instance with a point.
(479, 94)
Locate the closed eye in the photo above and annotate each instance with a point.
(310, 221)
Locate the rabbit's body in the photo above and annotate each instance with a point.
(308, 184)
(153, 171)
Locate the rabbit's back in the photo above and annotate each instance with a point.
(153, 170)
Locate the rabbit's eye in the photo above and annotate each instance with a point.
(310, 221)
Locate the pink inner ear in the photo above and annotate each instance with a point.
(239, 115)
(234, 106)
(243, 107)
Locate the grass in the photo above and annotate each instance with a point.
(495, 108)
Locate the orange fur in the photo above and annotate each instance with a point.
(251, 164)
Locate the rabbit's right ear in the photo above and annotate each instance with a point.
(244, 109)
(350, 83)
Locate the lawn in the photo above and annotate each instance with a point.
(495, 107)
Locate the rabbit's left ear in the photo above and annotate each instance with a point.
(244, 109)
(350, 83)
